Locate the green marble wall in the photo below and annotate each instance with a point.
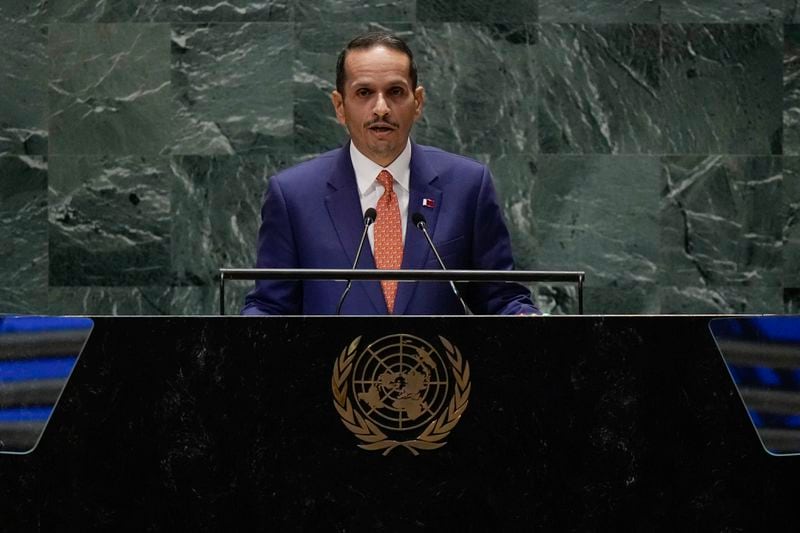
(654, 144)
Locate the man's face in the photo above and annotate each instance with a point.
(379, 105)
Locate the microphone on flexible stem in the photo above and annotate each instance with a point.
(419, 221)
(369, 217)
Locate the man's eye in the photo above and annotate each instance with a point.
(362, 92)
(397, 91)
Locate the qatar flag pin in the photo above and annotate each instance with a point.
(428, 202)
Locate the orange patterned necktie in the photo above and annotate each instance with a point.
(388, 236)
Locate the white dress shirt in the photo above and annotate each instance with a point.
(369, 190)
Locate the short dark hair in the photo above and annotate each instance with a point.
(370, 40)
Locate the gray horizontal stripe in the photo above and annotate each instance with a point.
(42, 344)
(760, 354)
(38, 392)
(771, 401)
(19, 436)
(781, 440)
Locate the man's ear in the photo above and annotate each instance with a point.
(338, 105)
(419, 101)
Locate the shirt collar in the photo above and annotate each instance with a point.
(367, 170)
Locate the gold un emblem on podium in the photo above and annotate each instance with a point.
(398, 392)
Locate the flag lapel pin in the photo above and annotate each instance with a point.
(428, 202)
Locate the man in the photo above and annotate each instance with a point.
(312, 215)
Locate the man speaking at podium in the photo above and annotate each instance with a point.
(314, 213)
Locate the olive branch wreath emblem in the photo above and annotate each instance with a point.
(432, 437)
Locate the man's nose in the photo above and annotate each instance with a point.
(381, 108)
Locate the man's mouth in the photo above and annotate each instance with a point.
(382, 128)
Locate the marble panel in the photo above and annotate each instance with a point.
(228, 10)
(592, 213)
(28, 12)
(554, 299)
(476, 11)
(104, 10)
(317, 47)
(98, 300)
(791, 89)
(599, 11)
(109, 89)
(791, 228)
(723, 299)
(23, 106)
(722, 223)
(216, 213)
(23, 300)
(721, 89)
(109, 221)
(233, 87)
(516, 181)
(205, 300)
(354, 10)
(712, 89)
(599, 88)
(719, 11)
(639, 299)
(791, 11)
(791, 301)
(23, 222)
(480, 87)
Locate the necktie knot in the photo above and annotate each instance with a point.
(386, 179)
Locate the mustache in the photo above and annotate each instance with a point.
(381, 122)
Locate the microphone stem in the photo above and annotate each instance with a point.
(441, 264)
(355, 263)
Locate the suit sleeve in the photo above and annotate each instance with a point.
(491, 250)
(276, 249)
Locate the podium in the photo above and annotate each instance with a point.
(572, 423)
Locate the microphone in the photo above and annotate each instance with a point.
(369, 217)
(419, 221)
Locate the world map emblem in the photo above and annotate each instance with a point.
(401, 391)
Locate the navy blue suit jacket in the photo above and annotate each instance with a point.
(311, 218)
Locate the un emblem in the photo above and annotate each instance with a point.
(398, 392)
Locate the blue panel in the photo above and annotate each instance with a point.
(26, 414)
(767, 376)
(757, 422)
(19, 324)
(34, 369)
(779, 329)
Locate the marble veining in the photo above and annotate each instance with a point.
(791, 224)
(791, 89)
(723, 221)
(508, 11)
(233, 86)
(109, 90)
(684, 86)
(109, 221)
(500, 116)
(720, 11)
(617, 133)
(23, 105)
(599, 11)
(316, 11)
(216, 212)
(23, 219)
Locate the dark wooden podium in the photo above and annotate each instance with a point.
(573, 423)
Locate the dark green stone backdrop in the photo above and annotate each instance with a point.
(654, 144)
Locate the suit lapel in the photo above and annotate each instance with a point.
(416, 248)
(344, 208)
